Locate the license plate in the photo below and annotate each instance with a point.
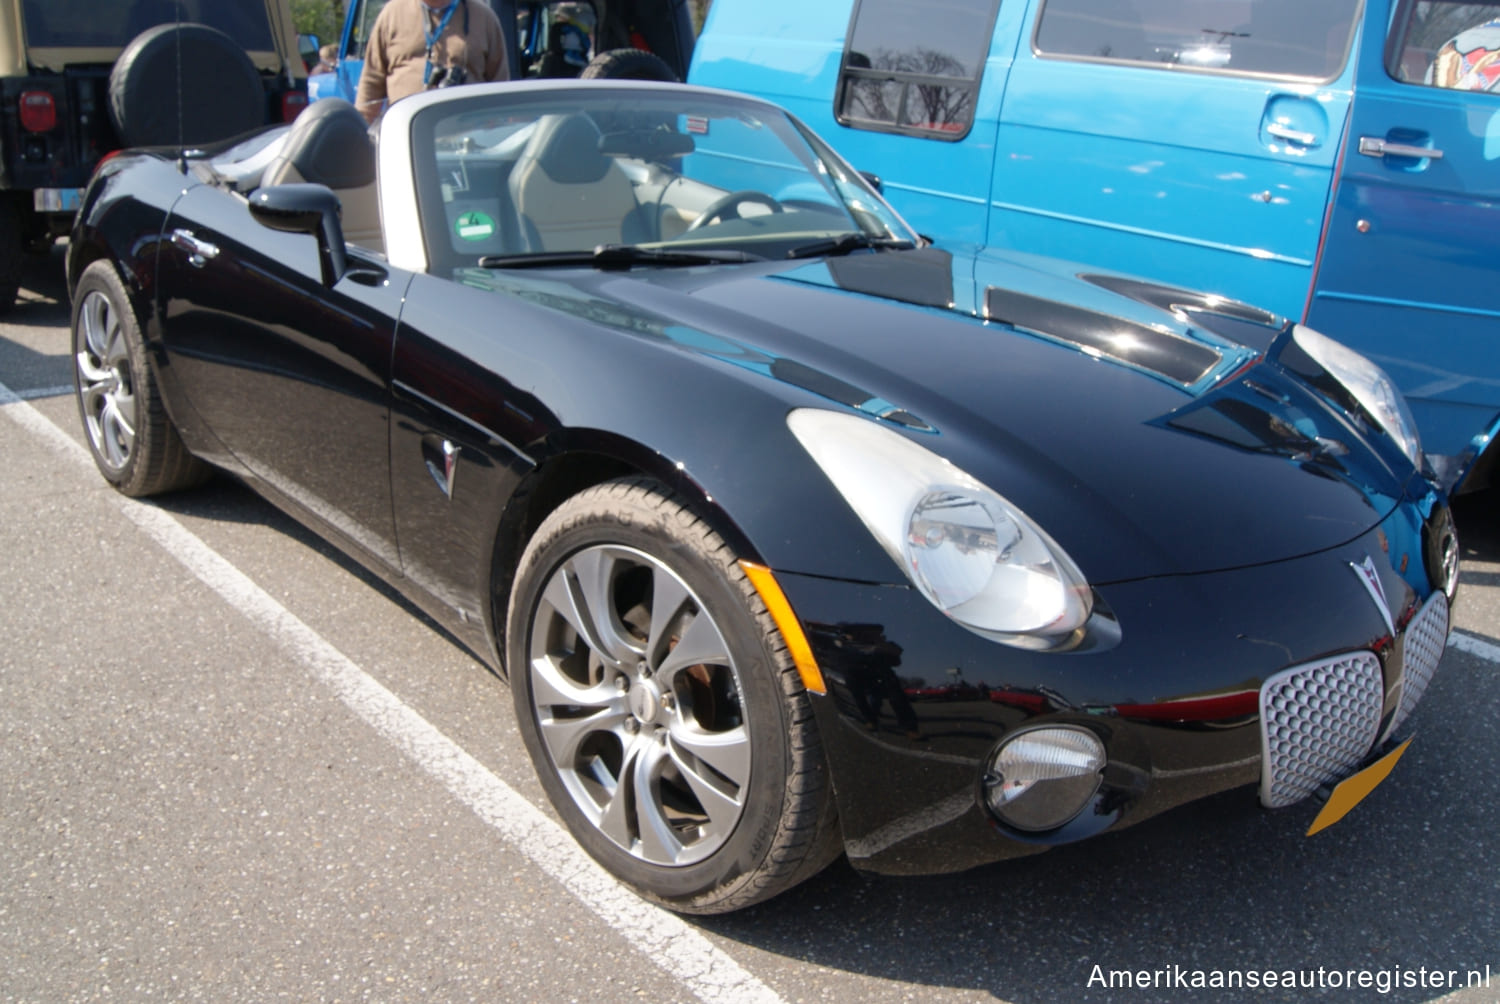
(57, 200)
(1352, 790)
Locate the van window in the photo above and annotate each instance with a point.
(1453, 45)
(1296, 38)
(364, 28)
(913, 66)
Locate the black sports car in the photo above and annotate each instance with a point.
(793, 533)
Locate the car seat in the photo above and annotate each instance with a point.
(329, 144)
(569, 196)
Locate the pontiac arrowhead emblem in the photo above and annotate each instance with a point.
(450, 465)
(443, 475)
(1371, 579)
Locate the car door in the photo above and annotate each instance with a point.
(1411, 266)
(1191, 141)
(290, 376)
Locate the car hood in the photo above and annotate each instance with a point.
(1141, 426)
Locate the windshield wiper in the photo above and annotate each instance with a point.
(612, 256)
(845, 243)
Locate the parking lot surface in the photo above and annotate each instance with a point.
(235, 767)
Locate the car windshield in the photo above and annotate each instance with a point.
(96, 24)
(536, 178)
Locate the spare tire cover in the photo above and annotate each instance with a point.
(628, 64)
(216, 88)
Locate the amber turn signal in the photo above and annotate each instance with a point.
(786, 622)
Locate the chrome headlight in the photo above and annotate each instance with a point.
(973, 554)
(1371, 387)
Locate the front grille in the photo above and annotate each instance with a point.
(1317, 721)
(1426, 637)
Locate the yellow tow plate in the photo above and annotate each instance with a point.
(1351, 790)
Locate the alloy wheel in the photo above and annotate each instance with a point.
(106, 386)
(638, 704)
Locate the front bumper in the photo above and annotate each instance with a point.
(916, 704)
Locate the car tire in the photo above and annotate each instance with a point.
(628, 64)
(12, 246)
(133, 441)
(217, 89)
(701, 785)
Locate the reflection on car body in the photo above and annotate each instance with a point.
(1332, 161)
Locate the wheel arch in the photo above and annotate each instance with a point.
(572, 462)
(83, 250)
(1483, 472)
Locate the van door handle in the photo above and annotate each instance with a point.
(1374, 146)
(1291, 135)
(198, 251)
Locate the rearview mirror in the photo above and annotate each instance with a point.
(646, 144)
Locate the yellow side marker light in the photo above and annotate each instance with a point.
(1352, 790)
(786, 622)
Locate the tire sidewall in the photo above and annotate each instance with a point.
(571, 530)
(11, 248)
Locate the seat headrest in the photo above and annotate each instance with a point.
(330, 145)
(567, 149)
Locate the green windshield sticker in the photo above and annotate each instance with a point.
(474, 226)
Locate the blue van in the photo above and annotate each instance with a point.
(1336, 161)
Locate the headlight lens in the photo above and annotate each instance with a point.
(972, 553)
(1369, 384)
(1041, 778)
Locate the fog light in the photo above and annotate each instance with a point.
(1041, 778)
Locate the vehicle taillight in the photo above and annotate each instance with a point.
(292, 103)
(38, 111)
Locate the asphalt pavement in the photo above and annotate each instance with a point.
(236, 767)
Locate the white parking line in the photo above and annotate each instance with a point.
(663, 937)
(1475, 646)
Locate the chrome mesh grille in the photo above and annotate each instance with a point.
(1317, 721)
(1426, 637)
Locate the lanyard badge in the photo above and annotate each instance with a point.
(434, 35)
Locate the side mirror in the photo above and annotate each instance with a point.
(873, 180)
(307, 48)
(305, 209)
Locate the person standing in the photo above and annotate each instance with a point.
(417, 44)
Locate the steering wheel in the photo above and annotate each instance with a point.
(726, 206)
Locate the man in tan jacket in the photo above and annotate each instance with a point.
(416, 43)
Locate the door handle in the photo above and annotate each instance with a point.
(198, 251)
(1291, 135)
(1374, 146)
